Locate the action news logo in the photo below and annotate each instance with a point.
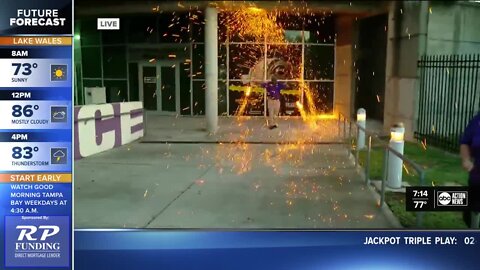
(452, 198)
(37, 241)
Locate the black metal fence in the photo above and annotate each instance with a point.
(448, 99)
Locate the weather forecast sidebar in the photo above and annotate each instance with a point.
(36, 134)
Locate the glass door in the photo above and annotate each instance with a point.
(148, 86)
(160, 87)
(169, 101)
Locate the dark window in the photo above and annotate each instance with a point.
(243, 57)
(199, 98)
(78, 85)
(322, 93)
(133, 80)
(92, 83)
(89, 35)
(321, 28)
(289, 21)
(285, 61)
(319, 62)
(222, 61)
(222, 97)
(173, 27)
(116, 90)
(91, 62)
(197, 23)
(115, 36)
(185, 88)
(114, 62)
(222, 27)
(198, 61)
(142, 29)
(242, 105)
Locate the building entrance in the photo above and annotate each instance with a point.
(159, 85)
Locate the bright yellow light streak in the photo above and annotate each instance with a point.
(406, 170)
(299, 105)
(249, 90)
(424, 144)
(255, 9)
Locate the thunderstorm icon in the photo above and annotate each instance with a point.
(58, 155)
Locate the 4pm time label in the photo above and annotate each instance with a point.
(35, 115)
(40, 156)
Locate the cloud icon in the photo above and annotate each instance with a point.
(59, 154)
(59, 115)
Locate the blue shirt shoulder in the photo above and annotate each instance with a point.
(471, 131)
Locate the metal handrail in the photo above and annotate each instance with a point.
(388, 150)
(417, 167)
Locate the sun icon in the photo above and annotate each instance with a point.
(58, 73)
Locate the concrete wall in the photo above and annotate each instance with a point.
(343, 65)
(416, 28)
(453, 28)
(98, 128)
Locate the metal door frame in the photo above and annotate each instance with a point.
(158, 65)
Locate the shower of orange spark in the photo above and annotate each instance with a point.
(256, 23)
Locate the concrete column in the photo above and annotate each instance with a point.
(211, 69)
(422, 50)
(344, 66)
(391, 66)
(405, 43)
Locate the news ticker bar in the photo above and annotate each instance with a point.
(456, 198)
(167, 249)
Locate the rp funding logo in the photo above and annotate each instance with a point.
(37, 241)
(28, 231)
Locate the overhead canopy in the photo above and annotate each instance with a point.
(105, 7)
